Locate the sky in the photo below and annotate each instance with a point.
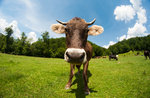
(121, 19)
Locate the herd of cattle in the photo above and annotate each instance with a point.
(79, 50)
(112, 56)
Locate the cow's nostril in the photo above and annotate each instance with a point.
(77, 56)
(67, 54)
(82, 56)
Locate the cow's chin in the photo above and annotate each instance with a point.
(76, 62)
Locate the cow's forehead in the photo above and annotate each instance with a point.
(76, 19)
(77, 23)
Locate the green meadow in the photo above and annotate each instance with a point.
(28, 77)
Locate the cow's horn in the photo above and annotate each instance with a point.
(90, 23)
(63, 23)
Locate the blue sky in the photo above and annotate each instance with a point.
(121, 19)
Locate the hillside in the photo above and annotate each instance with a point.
(134, 44)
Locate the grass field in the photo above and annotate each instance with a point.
(22, 76)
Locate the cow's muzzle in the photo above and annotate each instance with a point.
(75, 56)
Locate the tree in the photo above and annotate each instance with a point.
(45, 39)
(20, 44)
(2, 42)
(8, 39)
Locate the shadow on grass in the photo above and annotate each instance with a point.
(79, 92)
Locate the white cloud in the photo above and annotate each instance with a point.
(29, 16)
(26, 13)
(122, 38)
(32, 37)
(136, 30)
(141, 13)
(110, 43)
(136, 4)
(17, 33)
(14, 24)
(3, 25)
(15, 28)
(124, 13)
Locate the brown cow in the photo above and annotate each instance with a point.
(79, 51)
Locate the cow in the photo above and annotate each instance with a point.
(113, 57)
(79, 50)
(146, 54)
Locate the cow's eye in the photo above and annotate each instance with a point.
(87, 30)
(66, 29)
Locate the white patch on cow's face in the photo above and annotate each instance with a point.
(76, 51)
(95, 30)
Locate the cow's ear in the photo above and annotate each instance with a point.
(58, 28)
(95, 30)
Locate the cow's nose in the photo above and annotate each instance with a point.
(75, 56)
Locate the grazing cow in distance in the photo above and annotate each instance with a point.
(104, 56)
(78, 51)
(113, 57)
(97, 57)
(147, 54)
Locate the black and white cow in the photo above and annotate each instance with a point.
(113, 57)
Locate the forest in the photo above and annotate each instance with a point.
(55, 48)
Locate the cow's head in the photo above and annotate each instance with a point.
(76, 31)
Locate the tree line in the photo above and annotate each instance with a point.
(55, 48)
(132, 44)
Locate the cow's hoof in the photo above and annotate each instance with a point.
(67, 87)
(87, 92)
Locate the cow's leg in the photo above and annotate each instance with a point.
(109, 58)
(116, 59)
(78, 66)
(146, 57)
(85, 68)
(72, 67)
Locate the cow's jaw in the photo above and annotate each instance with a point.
(75, 56)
